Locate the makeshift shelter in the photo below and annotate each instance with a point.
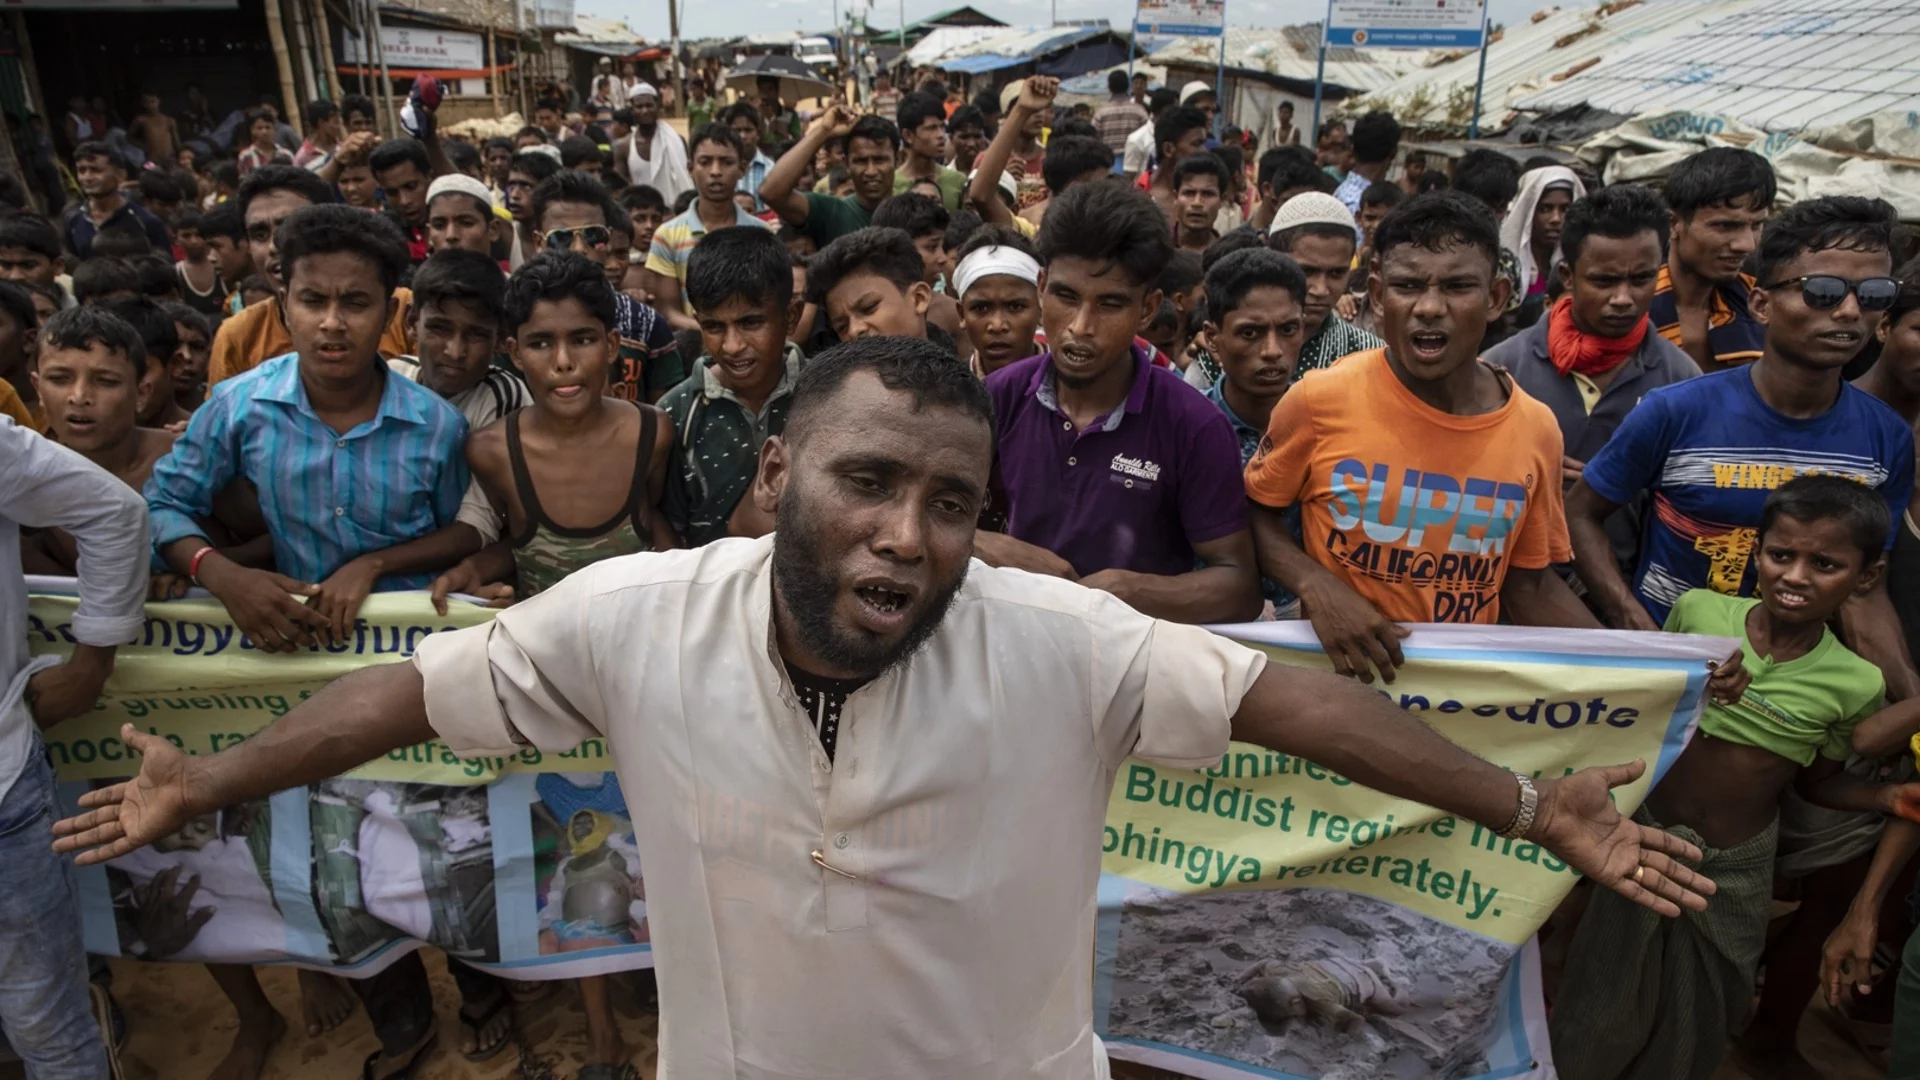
(594, 38)
(998, 57)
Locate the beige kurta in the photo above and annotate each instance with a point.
(967, 798)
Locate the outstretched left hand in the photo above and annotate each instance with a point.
(1578, 821)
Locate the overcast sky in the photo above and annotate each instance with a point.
(705, 18)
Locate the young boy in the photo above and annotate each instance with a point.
(925, 220)
(646, 208)
(529, 169)
(92, 373)
(1114, 471)
(1254, 326)
(1651, 1000)
(187, 367)
(1424, 411)
(740, 282)
(458, 307)
(997, 279)
(922, 119)
(201, 287)
(225, 235)
(1200, 185)
(717, 165)
(872, 283)
(553, 471)
(29, 249)
(460, 215)
(571, 212)
(157, 408)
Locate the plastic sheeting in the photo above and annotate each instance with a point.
(1646, 148)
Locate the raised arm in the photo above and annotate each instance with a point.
(777, 189)
(983, 190)
(1360, 735)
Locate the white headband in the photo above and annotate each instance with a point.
(991, 261)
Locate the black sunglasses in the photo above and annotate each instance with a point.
(1825, 292)
(593, 236)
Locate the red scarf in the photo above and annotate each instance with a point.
(1587, 354)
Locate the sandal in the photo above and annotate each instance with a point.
(413, 1063)
(473, 1022)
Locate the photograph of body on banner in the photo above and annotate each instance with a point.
(394, 860)
(1307, 982)
(586, 865)
(202, 893)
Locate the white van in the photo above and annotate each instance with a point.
(816, 52)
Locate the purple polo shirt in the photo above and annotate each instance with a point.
(1135, 491)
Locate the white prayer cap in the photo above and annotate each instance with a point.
(462, 184)
(1311, 208)
(644, 89)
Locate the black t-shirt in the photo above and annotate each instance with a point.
(823, 698)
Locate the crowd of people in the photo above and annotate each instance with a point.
(1357, 384)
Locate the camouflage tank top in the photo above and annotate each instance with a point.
(544, 552)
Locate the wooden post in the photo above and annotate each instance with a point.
(277, 36)
(17, 22)
(493, 55)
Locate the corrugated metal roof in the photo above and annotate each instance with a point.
(945, 41)
(1532, 55)
(1779, 65)
(1292, 52)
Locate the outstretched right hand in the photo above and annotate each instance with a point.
(1037, 94)
(1357, 638)
(836, 121)
(130, 815)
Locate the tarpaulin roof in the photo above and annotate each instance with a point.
(1778, 65)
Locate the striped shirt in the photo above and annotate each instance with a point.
(649, 361)
(327, 498)
(673, 244)
(1734, 336)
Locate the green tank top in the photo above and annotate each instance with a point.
(544, 553)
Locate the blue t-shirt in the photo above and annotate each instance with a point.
(1710, 452)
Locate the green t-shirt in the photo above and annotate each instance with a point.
(953, 186)
(830, 217)
(716, 449)
(1799, 709)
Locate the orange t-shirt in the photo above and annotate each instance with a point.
(1419, 511)
(11, 405)
(257, 334)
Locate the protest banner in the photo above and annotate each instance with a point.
(1261, 918)
(1268, 918)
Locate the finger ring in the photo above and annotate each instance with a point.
(1639, 873)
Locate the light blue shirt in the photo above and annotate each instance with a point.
(757, 170)
(327, 497)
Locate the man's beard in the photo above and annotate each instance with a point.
(808, 588)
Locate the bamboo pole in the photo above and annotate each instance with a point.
(493, 55)
(326, 49)
(300, 49)
(277, 36)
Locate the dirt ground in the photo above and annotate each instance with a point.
(180, 1027)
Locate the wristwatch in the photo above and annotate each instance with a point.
(1523, 815)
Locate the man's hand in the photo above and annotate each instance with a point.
(132, 814)
(1356, 637)
(999, 549)
(1901, 800)
(1037, 94)
(1729, 679)
(1578, 821)
(261, 603)
(464, 577)
(1347, 306)
(165, 919)
(1571, 470)
(1847, 960)
(836, 121)
(167, 586)
(67, 690)
(1634, 617)
(338, 598)
(1115, 581)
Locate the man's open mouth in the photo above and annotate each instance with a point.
(885, 601)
